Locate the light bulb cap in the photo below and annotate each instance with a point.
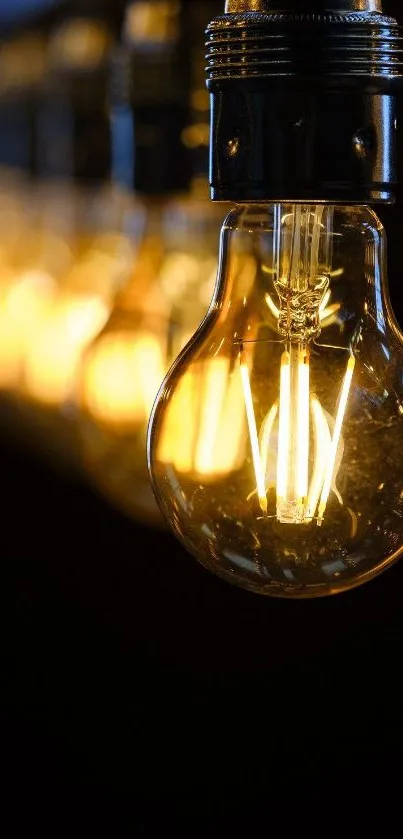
(304, 102)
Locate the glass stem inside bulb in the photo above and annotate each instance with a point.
(307, 443)
(293, 434)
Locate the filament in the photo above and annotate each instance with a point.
(325, 300)
(284, 426)
(272, 306)
(302, 427)
(293, 437)
(265, 434)
(336, 437)
(322, 446)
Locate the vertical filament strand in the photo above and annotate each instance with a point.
(336, 437)
(293, 435)
(284, 427)
(322, 446)
(302, 427)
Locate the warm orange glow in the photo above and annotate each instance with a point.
(80, 310)
(302, 433)
(23, 310)
(53, 355)
(297, 494)
(205, 428)
(121, 378)
(232, 435)
(215, 383)
(176, 444)
(211, 422)
(284, 428)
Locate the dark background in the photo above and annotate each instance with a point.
(142, 696)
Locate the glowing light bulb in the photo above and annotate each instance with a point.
(120, 379)
(79, 310)
(275, 441)
(52, 358)
(23, 312)
(28, 277)
(122, 369)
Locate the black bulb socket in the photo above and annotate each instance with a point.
(304, 101)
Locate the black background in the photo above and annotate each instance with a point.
(143, 696)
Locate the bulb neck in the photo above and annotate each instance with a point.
(295, 259)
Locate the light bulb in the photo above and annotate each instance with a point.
(101, 260)
(275, 441)
(28, 278)
(122, 369)
(24, 309)
(75, 257)
(172, 279)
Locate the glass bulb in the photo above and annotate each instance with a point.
(28, 276)
(79, 244)
(101, 259)
(122, 370)
(275, 441)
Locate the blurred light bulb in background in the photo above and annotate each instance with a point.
(23, 312)
(79, 44)
(60, 296)
(79, 312)
(12, 204)
(149, 25)
(153, 318)
(73, 236)
(35, 254)
(275, 441)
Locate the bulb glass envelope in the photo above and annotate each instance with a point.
(275, 442)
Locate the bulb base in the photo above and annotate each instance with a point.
(304, 106)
